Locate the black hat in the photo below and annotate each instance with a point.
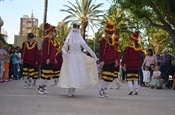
(31, 35)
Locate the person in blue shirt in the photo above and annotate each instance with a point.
(165, 65)
(15, 62)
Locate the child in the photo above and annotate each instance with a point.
(156, 81)
(146, 76)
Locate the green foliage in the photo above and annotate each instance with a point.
(159, 40)
(62, 33)
(159, 14)
(2, 38)
(85, 12)
(124, 24)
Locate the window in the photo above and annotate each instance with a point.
(29, 24)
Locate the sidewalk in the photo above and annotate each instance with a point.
(15, 100)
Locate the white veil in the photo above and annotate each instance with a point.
(74, 37)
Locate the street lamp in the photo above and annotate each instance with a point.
(1, 23)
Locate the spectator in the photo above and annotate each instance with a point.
(7, 63)
(146, 76)
(160, 58)
(152, 66)
(166, 64)
(20, 63)
(150, 58)
(11, 70)
(140, 70)
(156, 81)
(2, 55)
(15, 63)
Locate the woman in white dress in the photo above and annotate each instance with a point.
(78, 70)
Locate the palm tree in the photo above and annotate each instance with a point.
(122, 24)
(45, 14)
(119, 18)
(85, 12)
(62, 33)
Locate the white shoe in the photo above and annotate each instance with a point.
(101, 92)
(55, 83)
(29, 86)
(117, 86)
(25, 86)
(40, 90)
(45, 91)
(34, 83)
(105, 94)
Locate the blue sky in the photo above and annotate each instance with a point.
(12, 11)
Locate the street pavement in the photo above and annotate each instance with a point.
(15, 100)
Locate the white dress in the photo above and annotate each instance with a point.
(78, 70)
(146, 76)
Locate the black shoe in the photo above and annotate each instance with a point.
(130, 93)
(136, 93)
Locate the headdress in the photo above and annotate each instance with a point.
(109, 28)
(135, 36)
(48, 28)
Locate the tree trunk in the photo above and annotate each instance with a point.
(83, 30)
(172, 35)
(45, 14)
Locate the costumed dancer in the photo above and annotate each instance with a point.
(78, 70)
(131, 62)
(48, 57)
(109, 59)
(29, 59)
(117, 77)
(57, 65)
(38, 65)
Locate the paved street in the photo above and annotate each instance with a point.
(15, 100)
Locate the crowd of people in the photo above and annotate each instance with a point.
(74, 68)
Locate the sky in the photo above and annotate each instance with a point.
(12, 10)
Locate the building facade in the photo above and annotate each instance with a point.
(26, 24)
